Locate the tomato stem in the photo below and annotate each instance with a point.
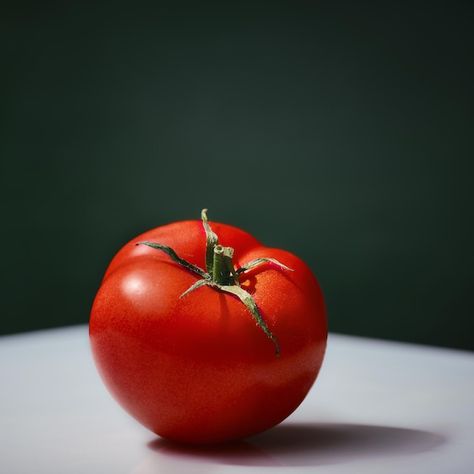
(223, 272)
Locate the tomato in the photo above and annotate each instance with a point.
(205, 335)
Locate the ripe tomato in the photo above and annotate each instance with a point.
(229, 359)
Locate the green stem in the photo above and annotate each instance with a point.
(223, 272)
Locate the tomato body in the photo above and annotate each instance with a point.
(198, 369)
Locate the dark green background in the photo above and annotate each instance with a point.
(340, 131)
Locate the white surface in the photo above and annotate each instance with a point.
(377, 407)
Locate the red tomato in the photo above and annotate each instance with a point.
(198, 368)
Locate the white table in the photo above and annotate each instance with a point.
(377, 407)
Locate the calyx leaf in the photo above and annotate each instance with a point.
(221, 274)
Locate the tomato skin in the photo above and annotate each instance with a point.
(198, 369)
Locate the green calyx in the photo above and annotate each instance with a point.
(221, 274)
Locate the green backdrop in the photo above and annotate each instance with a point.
(340, 131)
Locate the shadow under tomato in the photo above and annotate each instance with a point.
(299, 444)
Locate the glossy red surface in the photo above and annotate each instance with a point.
(198, 369)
